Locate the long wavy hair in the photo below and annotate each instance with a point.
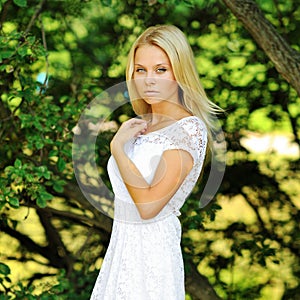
(191, 93)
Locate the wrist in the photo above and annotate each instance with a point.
(116, 146)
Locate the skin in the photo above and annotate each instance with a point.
(156, 84)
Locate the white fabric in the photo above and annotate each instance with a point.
(144, 259)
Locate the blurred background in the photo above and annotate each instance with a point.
(57, 56)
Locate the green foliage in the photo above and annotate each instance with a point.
(4, 275)
(27, 178)
(21, 3)
(77, 286)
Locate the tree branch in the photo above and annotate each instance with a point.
(72, 191)
(59, 254)
(44, 84)
(25, 241)
(4, 12)
(35, 16)
(81, 219)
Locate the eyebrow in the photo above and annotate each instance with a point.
(157, 65)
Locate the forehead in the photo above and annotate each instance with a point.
(150, 54)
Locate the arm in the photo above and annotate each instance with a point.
(171, 171)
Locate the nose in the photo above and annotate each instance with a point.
(149, 79)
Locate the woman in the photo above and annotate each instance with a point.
(155, 163)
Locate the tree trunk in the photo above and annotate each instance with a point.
(198, 286)
(284, 57)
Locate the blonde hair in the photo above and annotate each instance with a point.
(191, 93)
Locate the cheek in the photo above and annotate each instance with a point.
(170, 85)
(138, 83)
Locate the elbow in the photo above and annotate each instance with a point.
(147, 213)
(150, 209)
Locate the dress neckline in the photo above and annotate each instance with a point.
(163, 128)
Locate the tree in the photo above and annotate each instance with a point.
(285, 58)
(72, 47)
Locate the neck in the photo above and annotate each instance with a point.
(166, 111)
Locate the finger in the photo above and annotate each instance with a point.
(139, 129)
(137, 122)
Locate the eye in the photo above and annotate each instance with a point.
(140, 70)
(161, 70)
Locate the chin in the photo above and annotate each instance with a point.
(152, 100)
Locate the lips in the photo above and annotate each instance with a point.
(151, 93)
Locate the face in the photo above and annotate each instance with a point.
(153, 75)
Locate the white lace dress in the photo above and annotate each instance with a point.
(144, 259)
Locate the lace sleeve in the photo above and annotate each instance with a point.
(189, 134)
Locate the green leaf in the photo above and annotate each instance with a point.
(43, 171)
(58, 186)
(107, 2)
(29, 177)
(46, 196)
(39, 144)
(22, 51)
(47, 175)
(31, 39)
(43, 198)
(21, 3)
(9, 68)
(53, 153)
(40, 51)
(18, 164)
(2, 204)
(9, 169)
(6, 54)
(41, 202)
(4, 269)
(61, 164)
(14, 202)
